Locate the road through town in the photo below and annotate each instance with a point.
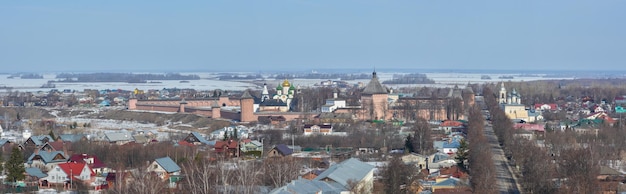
(507, 182)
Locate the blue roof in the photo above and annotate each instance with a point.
(438, 144)
(283, 149)
(39, 139)
(168, 164)
(200, 138)
(439, 157)
(453, 144)
(349, 170)
(4, 141)
(35, 172)
(450, 182)
(105, 103)
(47, 157)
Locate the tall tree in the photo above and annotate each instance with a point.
(422, 140)
(15, 166)
(51, 133)
(398, 176)
(1, 163)
(462, 153)
(408, 144)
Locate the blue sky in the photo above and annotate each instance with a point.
(311, 34)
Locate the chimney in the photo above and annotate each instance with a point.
(67, 155)
(428, 169)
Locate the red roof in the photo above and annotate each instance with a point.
(82, 158)
(529, 127)
(450, 123)
(58, 145)
(230, 144)
(185, 143)
(453, 171)
(74, 168)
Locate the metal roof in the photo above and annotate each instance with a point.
(200, 138)
(348, 170)
(35, 172)
(4, 141)
(168, 164)
(308, 186)
(119, 136)
(450, 182)
(47, 157)
(71, 137)
(39, 139)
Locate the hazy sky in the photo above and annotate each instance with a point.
(214, 35)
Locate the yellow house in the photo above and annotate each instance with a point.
(515, 111)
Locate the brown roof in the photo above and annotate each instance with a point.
(453, 171)
(230, 144)
(374, 86)
(58, 145)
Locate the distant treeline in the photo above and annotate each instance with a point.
(413, 78)
(122, 77)
(27, 76)
(238, 77)
(324, 76)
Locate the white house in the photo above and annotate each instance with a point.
(62, 172)
(334, 103)
(164, 167)
(318, 129)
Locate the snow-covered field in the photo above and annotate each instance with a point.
(206, 83)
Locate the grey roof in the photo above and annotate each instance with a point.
(71, 137)
(273, 102)
(246, 94)
(374, 86)
(351, 169)
(35, 172)
(256, 143)
(604, 170)
(119, 136)
(168, 164)
(141, 138)
(469, 89)
(305, 186)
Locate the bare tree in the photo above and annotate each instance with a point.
(399, 177)
(279, 171)
(200, 177)
(141, 181)
(422, 139)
